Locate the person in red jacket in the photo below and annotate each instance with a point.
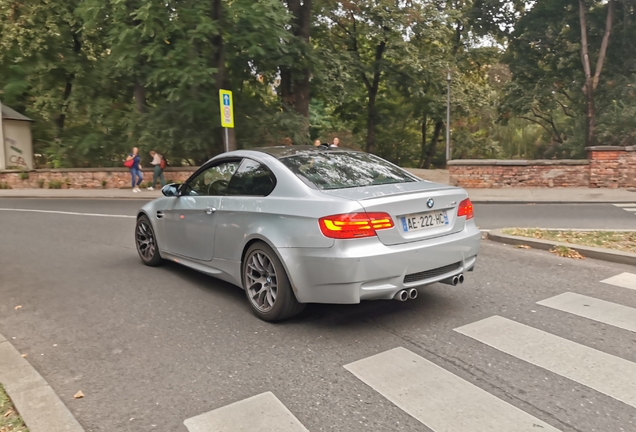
(135, 169)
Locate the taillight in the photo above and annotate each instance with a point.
(465, 209)
(354, 225)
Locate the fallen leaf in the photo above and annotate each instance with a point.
(566, 252)
(78, 395)
(523, 247)
(24, 355)
(18, 307)
(8, 413)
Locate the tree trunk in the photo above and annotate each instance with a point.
(286, 87)
(140, 97)
(439, 125)
(372, 89)
(68, 88)
(295, 82)
(591, 82)
(371, 120)
(423, 149)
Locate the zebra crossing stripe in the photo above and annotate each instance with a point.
(625, 205)
(623, 280)
(595, 369)
(439, 399)
(598, 310)
(260, 413)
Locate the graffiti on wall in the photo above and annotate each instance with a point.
(15, 160)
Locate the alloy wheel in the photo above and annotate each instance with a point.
(145, 240)
(261, 281)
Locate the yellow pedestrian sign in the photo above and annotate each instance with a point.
(227, 108)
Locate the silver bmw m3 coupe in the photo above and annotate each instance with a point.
(300, 224)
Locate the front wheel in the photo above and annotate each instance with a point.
(267, 286)
(146, 242)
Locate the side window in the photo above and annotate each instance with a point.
(251, 179)
(213, 181)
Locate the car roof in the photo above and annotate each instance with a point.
(285, 151)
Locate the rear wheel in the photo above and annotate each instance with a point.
(267, 286)
(146, 242)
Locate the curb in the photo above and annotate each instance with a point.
(38, 405)
(587, 251)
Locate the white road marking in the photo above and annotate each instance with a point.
(67, 213)
(260, 413)
(623, 280)
(627, 207)
(600, 371)
(598, 310)
(439, 399)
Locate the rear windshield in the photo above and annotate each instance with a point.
(335, 170)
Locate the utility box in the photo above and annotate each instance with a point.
(16, 143)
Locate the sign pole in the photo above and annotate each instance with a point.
(227, 114)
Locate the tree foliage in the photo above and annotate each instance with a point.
(101, 77)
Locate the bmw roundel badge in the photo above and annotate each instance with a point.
(430, 203)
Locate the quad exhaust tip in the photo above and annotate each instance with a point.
(404, 295)
(455, 280)
(401, 295)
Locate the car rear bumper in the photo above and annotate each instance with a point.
(366, 269)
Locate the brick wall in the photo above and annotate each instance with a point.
(78, 178)
(612, 167)
(606, 167)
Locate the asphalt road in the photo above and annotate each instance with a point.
(152, 347)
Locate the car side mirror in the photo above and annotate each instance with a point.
(170, 190)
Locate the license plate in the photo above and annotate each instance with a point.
(422, 221)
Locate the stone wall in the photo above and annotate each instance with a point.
(605, 167)
(78, 178)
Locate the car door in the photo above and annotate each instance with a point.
(242, 207)
(190, 224)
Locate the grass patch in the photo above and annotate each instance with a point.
(10, 421)
(617, 240)
(55, 184)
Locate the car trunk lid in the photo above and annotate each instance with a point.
(419, 210)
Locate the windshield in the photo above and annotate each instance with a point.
(339, 170)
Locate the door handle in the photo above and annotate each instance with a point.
(159, 214)
(210, 210)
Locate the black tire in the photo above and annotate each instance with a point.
(269, 284)
(146, 242)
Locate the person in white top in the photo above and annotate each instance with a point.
(159, 163)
